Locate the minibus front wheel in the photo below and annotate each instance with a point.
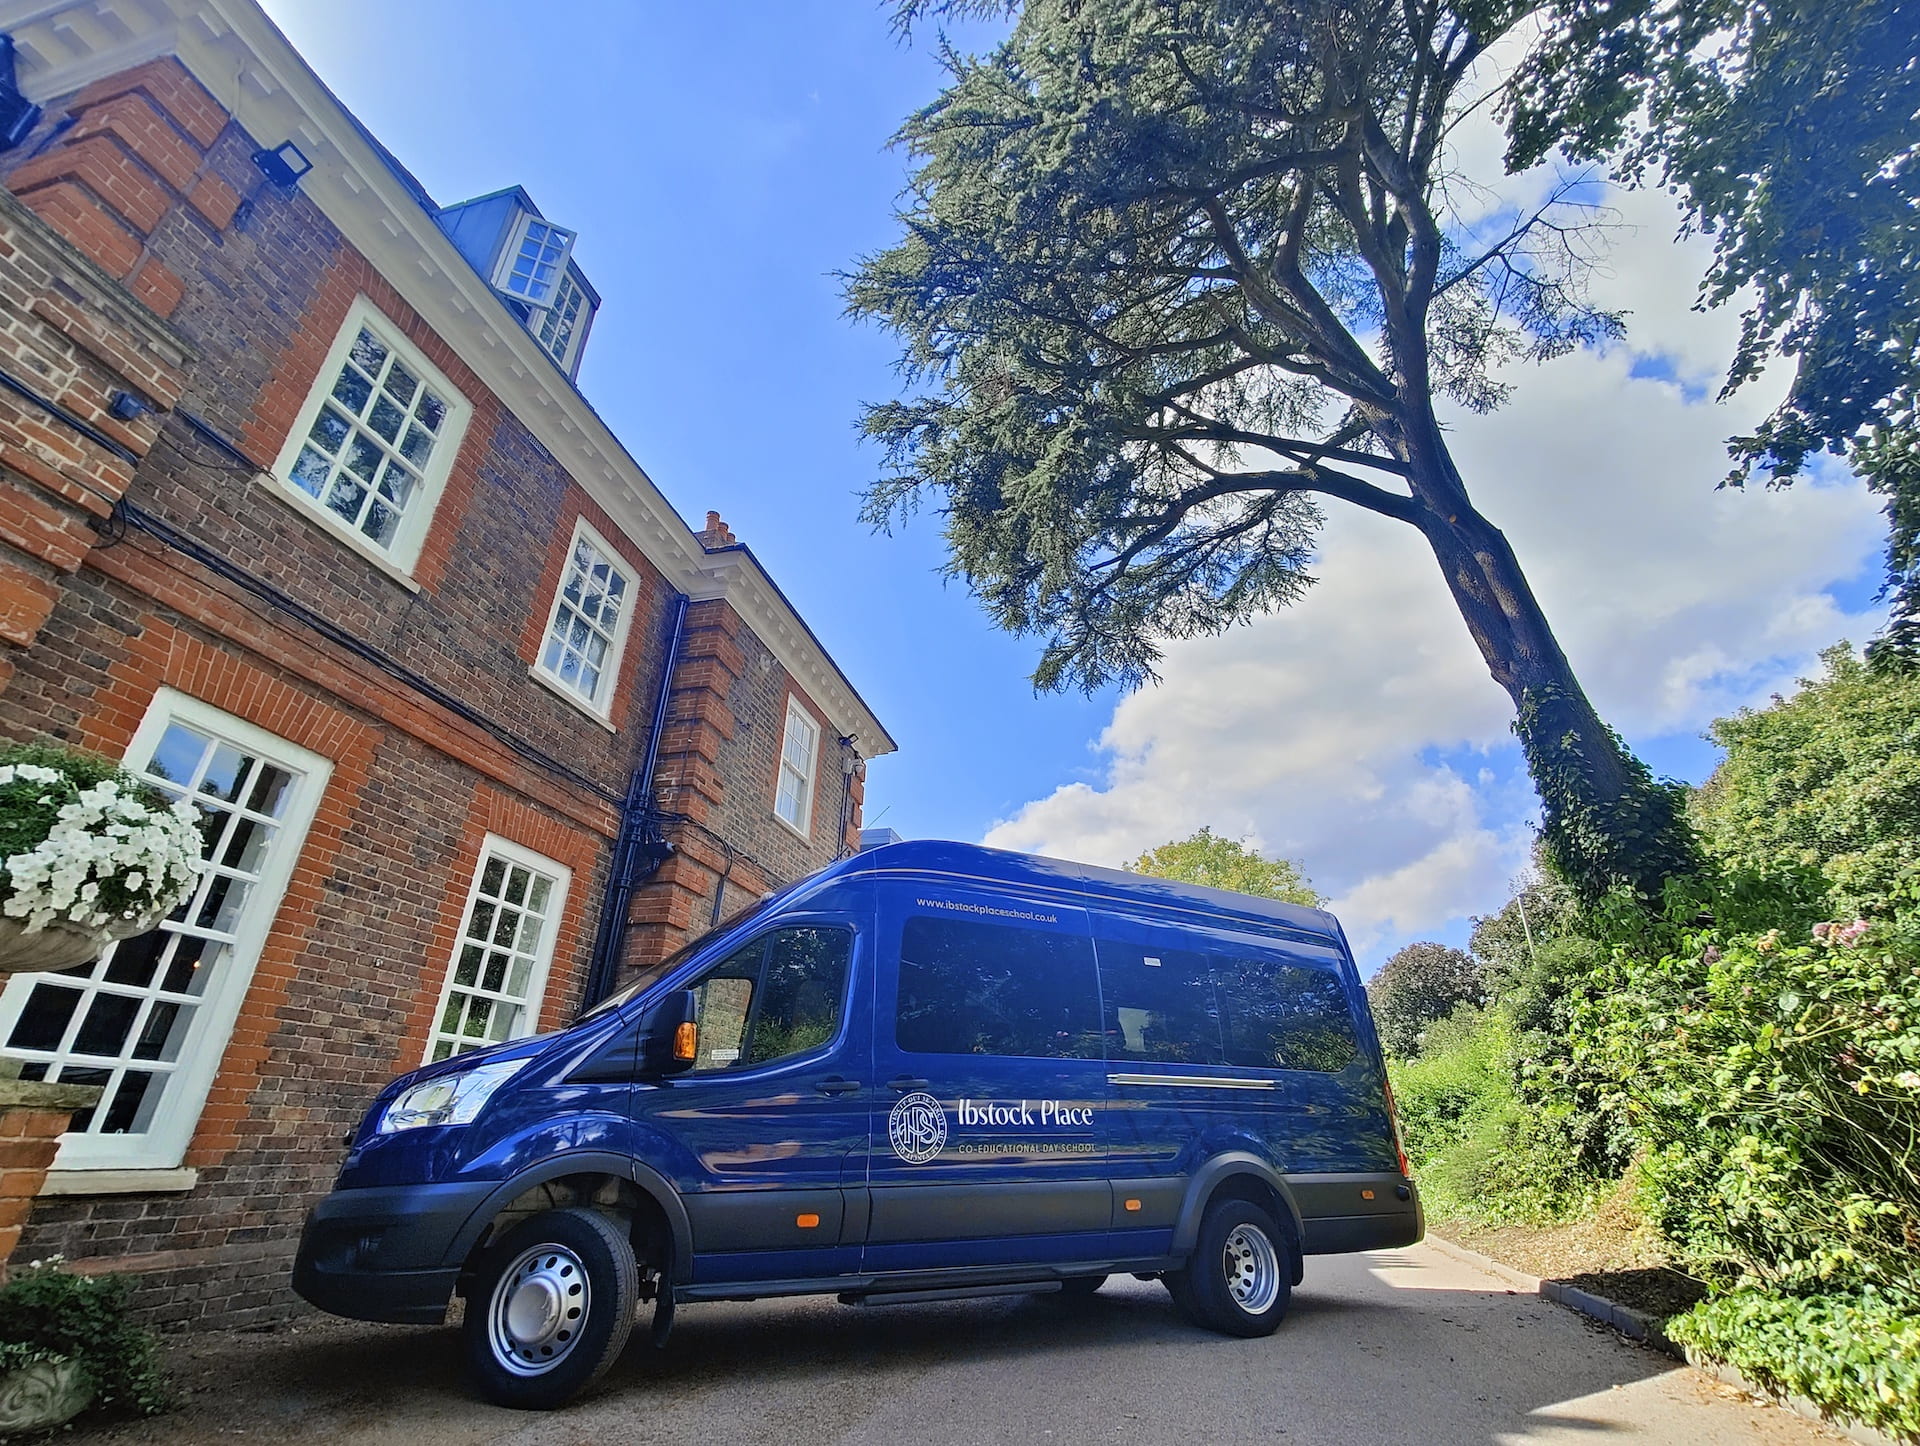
(1239, 1279)
(551, 1304)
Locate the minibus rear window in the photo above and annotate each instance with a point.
(971, 988)
(1283, 1016)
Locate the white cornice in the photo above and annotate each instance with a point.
(234, 50)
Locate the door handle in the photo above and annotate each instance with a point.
(901, 1083)
(837, 1086)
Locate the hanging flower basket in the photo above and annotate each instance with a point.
(88, 855)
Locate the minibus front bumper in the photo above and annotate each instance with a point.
(383, 1253)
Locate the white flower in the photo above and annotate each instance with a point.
(105, 835)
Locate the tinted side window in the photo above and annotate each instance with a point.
(1160, 1004)
(780, 995)
(1283, 1016)
(968, 988)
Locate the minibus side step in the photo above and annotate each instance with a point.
(957, 1292)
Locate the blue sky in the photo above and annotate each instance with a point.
(722, 162)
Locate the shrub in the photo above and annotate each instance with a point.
(46, 1312)
(1476, 1149)
(1775, 1085)
(1423, 983)
(1856, 1354)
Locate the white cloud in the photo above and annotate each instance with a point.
(1314, 732)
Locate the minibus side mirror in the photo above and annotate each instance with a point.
(669, 1035)
(662, 1041)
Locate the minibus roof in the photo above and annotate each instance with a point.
(1092, 886)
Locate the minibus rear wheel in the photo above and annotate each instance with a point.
(1239, 1280)
(550, 1309)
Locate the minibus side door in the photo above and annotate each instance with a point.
(765, 1138)
(991, 1083)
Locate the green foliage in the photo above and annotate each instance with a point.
(1819, 796)
(44, 1311)
(1786, 128)
(1420, 985)
(1856, 1354)
(24, 821)
(1775, 1086)
(1475, 1148)
(1224, 863)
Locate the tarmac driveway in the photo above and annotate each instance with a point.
(1407, 1345)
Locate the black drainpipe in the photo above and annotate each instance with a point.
(640, 849)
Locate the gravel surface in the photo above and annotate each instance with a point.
(1404, 1345)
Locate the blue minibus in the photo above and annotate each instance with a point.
(929, 1071)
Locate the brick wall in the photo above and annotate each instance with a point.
(142, 251)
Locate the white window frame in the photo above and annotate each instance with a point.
(510, 253)
(411, 535)
(600, 707)
(164, 1145)
(538, 319)
(809, 781)
(494, 846)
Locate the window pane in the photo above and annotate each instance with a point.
(1160, 1004)
(43, 1023)
(503, 938)
(968, 988)
(805, 981)
(1283, 1016)
(725, 996)
(358, 433)
(580, 640)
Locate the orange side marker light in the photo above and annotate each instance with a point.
(1133, 1204)
(806, 1222)
(686, 1040)
(1366, 1194)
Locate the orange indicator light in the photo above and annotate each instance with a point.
(686, 1040)
(1366, 1194)
(1133, 1204)
(806, 1222)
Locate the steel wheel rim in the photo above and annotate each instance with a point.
(1252, 1268)
(538, 1310)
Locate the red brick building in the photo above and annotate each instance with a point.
(302, 515)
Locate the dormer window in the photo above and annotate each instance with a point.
(533, 264)
(528, 261)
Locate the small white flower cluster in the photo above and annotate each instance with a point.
(103, 835)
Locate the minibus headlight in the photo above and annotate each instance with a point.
(451, 1099)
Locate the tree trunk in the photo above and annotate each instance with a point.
(1606, 822)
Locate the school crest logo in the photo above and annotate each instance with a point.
(917, 1128)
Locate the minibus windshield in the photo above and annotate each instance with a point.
(655, 972)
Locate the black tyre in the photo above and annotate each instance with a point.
(552, 1303)
(1240, 1278)
(1079, 1287)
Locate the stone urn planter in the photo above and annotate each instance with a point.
(60, 944)
(42, 1395)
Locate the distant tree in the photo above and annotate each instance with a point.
(1422, 984)
(1176, 274)
(1787, 130)
(1224, 863)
